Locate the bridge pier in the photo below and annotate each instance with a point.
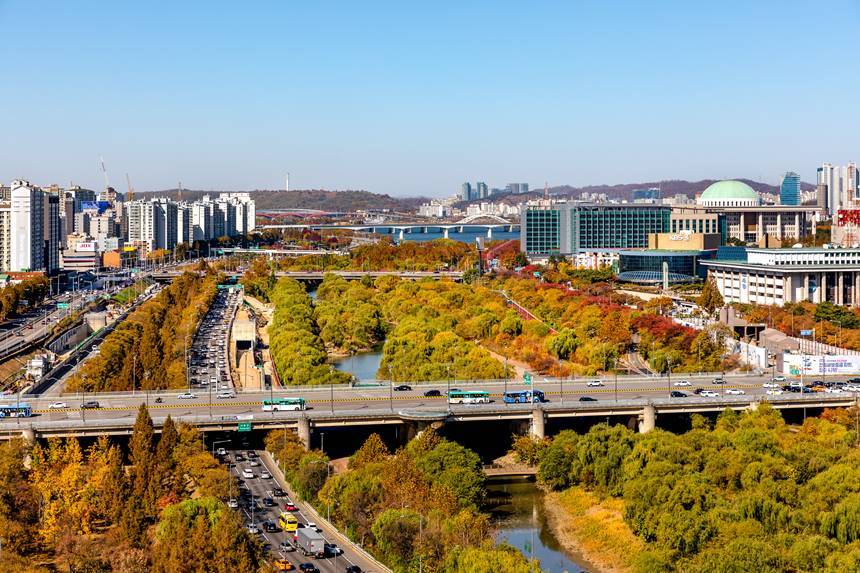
(29, 435)
(649, 419)
(538, 426)
(489, 232)
(400, 234)
(754, 406)
(304, 431)
(445, 232)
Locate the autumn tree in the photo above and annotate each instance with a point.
(710, 299)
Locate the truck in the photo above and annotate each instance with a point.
(310, 542)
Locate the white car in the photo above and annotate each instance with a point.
(226, 395)
(779, 378)
(253, 463)
(186, 396)
(593, 383)
(232, 503)
(57, 406)
(851, 388)
(265, 475)
(314, 526)
(681, 383)
(734, 391)
(222, 452)
(770, 385)
(253, 529)
(774, 392)
(708, 394)
(247, 474)
(833, 390)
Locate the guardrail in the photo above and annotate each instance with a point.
(378, 384)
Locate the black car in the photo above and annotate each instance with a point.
(353, 569)
(432, 393)
(587, 399)
(308, 568)
(268, 502)
(677, 394)
(269, 526)
(403, 388)
(278, 492)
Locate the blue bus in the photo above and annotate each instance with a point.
(21, 410)
(524, 396)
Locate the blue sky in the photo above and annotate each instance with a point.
(407, 98)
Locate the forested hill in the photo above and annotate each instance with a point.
(624, 191)
(321, 199)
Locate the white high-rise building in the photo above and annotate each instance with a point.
(842, 186)
(27, 244)
(5, 228)
(183, 223)
(141, 227)
(201, 221)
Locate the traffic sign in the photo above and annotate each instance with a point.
(806, 332)
(245, 426)
(527, 378)
(62, 305)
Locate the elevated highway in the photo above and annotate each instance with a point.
(640, 400)
(403, 229)
(348, 275)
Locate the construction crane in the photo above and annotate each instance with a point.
(104, 172)
(130, 194)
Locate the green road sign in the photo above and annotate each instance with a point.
(62, 305)
(527, 378)
(244, 426)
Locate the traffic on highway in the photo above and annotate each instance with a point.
(432, 395)
(208, 366)
(291, 538)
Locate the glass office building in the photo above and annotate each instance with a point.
(570, 228)
(646, 267)
(789, 189)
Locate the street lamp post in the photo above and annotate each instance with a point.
(390, 388)
(615, 368)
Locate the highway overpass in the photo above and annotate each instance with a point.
(641, 401)
(348, 274)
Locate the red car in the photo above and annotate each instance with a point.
(290, 506)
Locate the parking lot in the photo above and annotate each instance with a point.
(207, 355)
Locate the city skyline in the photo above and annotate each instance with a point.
(404, 101)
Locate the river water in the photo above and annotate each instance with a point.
(516, 507)
(363, 366)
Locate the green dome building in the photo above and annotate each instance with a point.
(729, 193)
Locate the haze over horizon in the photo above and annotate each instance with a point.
(414, 100)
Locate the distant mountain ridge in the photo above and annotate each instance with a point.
(668, 188)
(320, 199)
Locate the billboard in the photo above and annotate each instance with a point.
(100, 206)
(85, 247)
(820, 364)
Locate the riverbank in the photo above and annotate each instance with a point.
(593, 527)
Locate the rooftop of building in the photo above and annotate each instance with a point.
(729, 190)
(665, 252)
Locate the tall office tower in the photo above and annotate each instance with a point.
(51, 231)
(27, 241)
(851, 184)
(466, 191)
(67, 216)
(183, 223)
(201, 221)
(5, 232)
(81, 195)
(240, 217)
(789, 189)
(482, 191)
